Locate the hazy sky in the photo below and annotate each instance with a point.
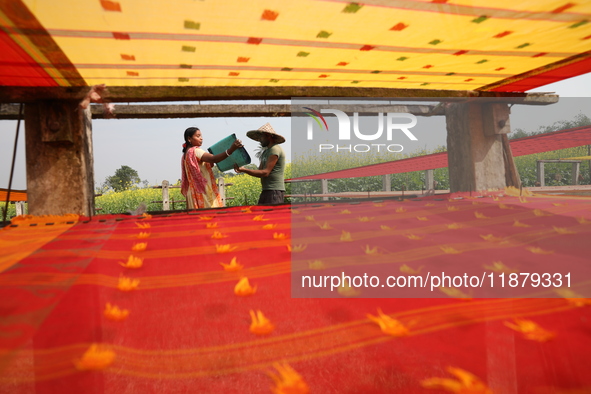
(153, 146)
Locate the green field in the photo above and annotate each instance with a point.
(246, 189)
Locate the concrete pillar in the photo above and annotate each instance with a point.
(387, 182)
(474, 146)
(20, 208)
(222, 190)
(60, 175)
(429, 180)
(324, 183)
(575, 173)
(540, 173)
(165, 196)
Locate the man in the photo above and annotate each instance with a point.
(272, 167)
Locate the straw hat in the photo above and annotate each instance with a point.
(266, 128)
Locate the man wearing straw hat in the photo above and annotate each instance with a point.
(271, 169)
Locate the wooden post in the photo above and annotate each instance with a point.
(512, 177)
(387, 182)
(575, 173)
(222, 190)
(165, 196)
(540, 172)
(324, 183)
(60, 177)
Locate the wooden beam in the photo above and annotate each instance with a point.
(23, 94)
(122, 111)
(142, 111)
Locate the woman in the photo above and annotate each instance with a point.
(198, 184)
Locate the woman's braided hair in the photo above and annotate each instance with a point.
(188, 134)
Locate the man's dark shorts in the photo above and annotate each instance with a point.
(271, 197)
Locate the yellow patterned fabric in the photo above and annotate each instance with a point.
(417, 44)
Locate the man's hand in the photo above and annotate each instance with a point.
(261, 172)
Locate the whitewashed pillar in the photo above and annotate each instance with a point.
(324, 183)
(165, 196)
(222, 190)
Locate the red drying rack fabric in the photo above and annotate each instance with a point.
(187, 331)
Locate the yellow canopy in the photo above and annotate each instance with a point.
(438, 44)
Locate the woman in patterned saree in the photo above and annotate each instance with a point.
(198, 184)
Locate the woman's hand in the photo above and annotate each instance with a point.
(235, 145)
